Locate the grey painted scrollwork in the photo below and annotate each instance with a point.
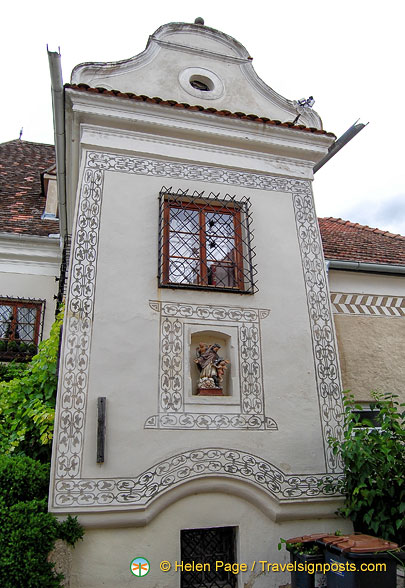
(183, 467)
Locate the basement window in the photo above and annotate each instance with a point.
(207, 546)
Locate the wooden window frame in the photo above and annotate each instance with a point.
(15, 304)
(202, 276)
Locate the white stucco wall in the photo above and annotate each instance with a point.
(28, 268)
(125, 364)
(125, 347)
(104, 556)
(366, 283)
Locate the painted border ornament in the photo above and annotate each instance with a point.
(172, 415)
(190, 465)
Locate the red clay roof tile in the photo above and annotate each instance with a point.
(211, 110)
(22, 201)
(347, 241)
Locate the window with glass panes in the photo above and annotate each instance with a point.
(20, 322)
(205, 243)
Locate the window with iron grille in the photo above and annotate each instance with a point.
(206, 242)
(207, 546)
(368, 416)
(20, 327)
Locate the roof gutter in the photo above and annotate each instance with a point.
(360, 266)
(58, 103)
(339, 143)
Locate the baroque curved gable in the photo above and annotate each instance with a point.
(178, 54)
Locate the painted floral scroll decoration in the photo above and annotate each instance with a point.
(212, 368)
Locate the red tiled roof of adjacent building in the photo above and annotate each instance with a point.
(347, 241)
(196, 108)
(22, 201)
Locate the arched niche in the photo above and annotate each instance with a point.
(226, 337)
(209, 338)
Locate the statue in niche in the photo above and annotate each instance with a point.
(212, 368)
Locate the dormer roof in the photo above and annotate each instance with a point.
(22, 200)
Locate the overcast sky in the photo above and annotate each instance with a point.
(349, 55)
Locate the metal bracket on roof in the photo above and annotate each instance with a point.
(341, 142)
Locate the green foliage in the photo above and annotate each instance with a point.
(374, 468)
(27, 531)
(301, 548)
(27, 402)
(27, 535)
(11, 370)
(22, 479)
(70, 531)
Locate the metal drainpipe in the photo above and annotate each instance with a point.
(58, 103)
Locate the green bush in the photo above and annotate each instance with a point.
(11, 370)
(27, 402)
(27, 535)
(22, 479)
(27, 531)
(374, 468)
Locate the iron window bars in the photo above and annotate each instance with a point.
(21, 323)
(207, 546)
(205, 242)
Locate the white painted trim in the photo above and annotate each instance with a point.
(214, 93)
(198, 51)
(28, 254)
(192, 153)
(312, 146)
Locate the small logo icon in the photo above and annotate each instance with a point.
(140, 566)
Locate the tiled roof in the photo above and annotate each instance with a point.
(343, 240)
(22, 201)
(196, 108)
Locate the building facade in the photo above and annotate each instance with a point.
(194, 243)
(200, 375)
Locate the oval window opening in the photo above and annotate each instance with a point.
(201, 83)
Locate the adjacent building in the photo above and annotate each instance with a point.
(30, 255)
(366, 270)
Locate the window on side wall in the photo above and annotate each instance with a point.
(205, 242)
(20, 328)
(368, 416)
